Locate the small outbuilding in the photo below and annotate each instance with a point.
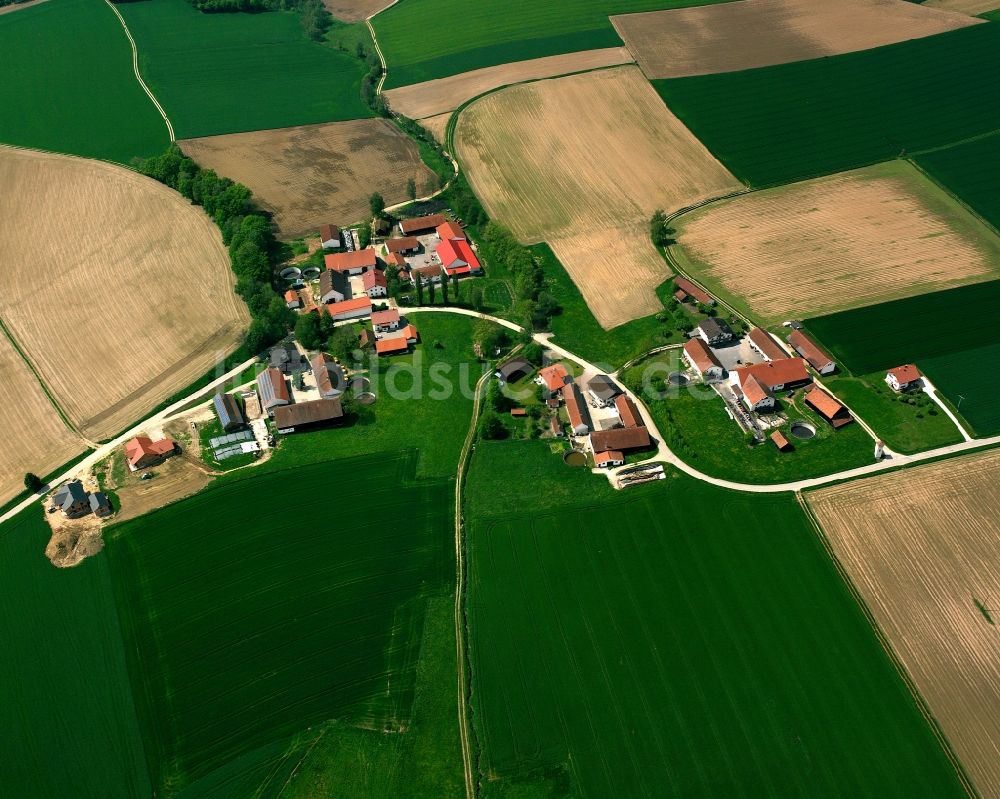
(781, 441)
(608, 459)
(827, 407)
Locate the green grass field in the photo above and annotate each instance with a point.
(228, 73)
(971, 171)
(265, 605)
(954, 336)
(677, 640)
(81, 97)
(826, 115)
(491, 32)
(65, 700)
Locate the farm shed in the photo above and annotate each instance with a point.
(761, 341)
(457, 257)
(272, 390)
(701, 358)
(780, 441)
(514, 370)
(407, 244)
(353, 263)
(228, 411)
(620, 438)
(812, 352)
(315, 413)
(627, 411)
(579, 414)
(328, 376)
(329, 237)
(689, 289)
(349, 309)
(428, 274)
(903, 378)
(421, 224)
(451, 231)
(333, 287)
(392, 346)
(827, 407)
(774, 375)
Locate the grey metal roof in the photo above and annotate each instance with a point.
(228, 410)
(99, 500)
(714, 327)
(69, 494)
(603, 386)
(513, 366)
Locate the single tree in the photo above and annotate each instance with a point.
(411, 188)
(419, 285)
(33, 482)
(476, 296)
(377, 204)
(431, 291)
(444, 291)
(454, 283)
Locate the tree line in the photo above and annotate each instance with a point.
(316, 20)
(253, 250)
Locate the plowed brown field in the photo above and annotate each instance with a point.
(355, 10)
(853, 239)
(446, 94)
(549, 160)
(311, 175)
(756, 33)
(922, 546)
(116, 287)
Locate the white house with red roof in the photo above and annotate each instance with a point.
(756, 396)
(142, 452)
(608, 459)
(903, 378)
(349, 309)
(700, 357)
(385, 321)
(375, 283)
(457, 257)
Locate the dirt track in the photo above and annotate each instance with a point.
(923, 547)
(756, 33)
(314, 174)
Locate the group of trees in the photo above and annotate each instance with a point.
(536, 304)
(253, 251)
(659, 230)
(316, 20)
(317, 332)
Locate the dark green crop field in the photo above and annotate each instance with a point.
(971, 171)
(66, 708)
(265, 605)
(677, 640)
(795, 121)
(228, 73)
(67, 84)
(427, 39)
(971, 381)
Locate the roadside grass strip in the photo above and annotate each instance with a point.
(229, 73)
(263, 606)
(68, 85)
(795, 121)
(680, 640)
(491, 32)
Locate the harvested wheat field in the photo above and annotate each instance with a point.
(433, 97)
(922, 547)
(971, 7)
(34, 438)
(117, 288)
(839, 242)
(588, 181)
(355, 10)
(437, 125)
(310, 175)
(756, 33)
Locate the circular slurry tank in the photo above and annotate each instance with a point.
(359, 384)
(678, 379)
(366, 398)
(575, 458)
(290, 273)
(803, 430)
(310, 272)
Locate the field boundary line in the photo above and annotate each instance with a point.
(138, 77)
(886, 645)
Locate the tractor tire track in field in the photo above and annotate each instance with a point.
(138, 77)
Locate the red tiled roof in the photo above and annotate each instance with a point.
(620, 438)
(401, 245)
(775, 373)
(450, 230)
(455, 255)
(809, 349)
(701, 355)
(906, 373)
(347, 306)
(410, 332)
(396, 259)
(554, 376)
(373, 278)
(688, 287)
(825, 405)
(429, 271)
(766, 344)
(518, 412)
(780, 441)
(416, 223)
(386, 317)
(343, 261)
(389, 346)
(572, 406)
(600, 458)
(328, 232)
(754, 391)
(291, 296)
(627, 411)
(141, 446)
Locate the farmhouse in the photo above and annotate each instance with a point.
(303, 415)
(392, 346)
(603, 391)
(514, 370)
(100, 505)
(375, 283)
(457, 258)
(272, 390)
(714, 331)
(576, 408)
(329, 237)
(428, 274)
(407, 244)
(421, 224)
(812, 352)
(72, 499)
(353, 263)
(333, 287)
(142, 452)
(903, 378)
(627, 411)
(384, 321)
(608, 460)
(827, 407)
(762, 342)
(773, 375)
(554, 377)
(756, 396)
(686, 289)
(701, 358)
(228, 411)
(451, 231)
(293, 299)
(349, 309)
(328, 376)
(619, 438)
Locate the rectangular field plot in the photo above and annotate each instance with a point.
(971, 380)
(685, 641)
(922, 547)
(795, 121)
(972, 172)
(491, 32)
(228, 73)
(265, 605)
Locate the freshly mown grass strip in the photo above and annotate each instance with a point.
(491, 32)
(68, 84)
(971, 171)
(65, 699)
(812, 118)
(268, 604)
(678, 640)
(229, 73)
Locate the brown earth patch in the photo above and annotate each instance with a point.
(853, 239)
(446, 94)
(176, 478)
(311, 175)
(922, 547)
(588, 182)
(971, 7)
(356, 10)
(18, 6)
(118, 289)
(437, 125)
(756, 33)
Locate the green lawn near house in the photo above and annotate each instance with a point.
(67, 84)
